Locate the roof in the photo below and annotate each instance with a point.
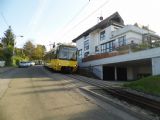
(113, 19)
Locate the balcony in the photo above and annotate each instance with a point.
(103, 55)
(126, 49)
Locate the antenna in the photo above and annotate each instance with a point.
(100, 19)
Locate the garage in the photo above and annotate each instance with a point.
(108, 73)
(121, 73)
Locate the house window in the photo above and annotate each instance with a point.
(96, 48)
(102, 35)
(86, 45)
(122, 41)
(86, 54)
(80, 53)
(108, 46)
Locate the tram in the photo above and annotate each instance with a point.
(62, 58)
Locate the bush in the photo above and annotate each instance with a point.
(16, 60)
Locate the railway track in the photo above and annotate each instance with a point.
(135, 99)
(129, 97)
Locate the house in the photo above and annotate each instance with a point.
(115, 51)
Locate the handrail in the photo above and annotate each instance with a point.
(126, 49)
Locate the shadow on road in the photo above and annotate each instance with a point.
(30, 72)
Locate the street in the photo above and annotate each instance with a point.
(35, 93)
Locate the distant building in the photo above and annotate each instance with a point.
(114, 51)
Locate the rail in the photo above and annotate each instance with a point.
(132, 98)
(135, 99)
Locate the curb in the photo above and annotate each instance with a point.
(117, 105)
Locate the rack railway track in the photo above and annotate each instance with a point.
(129, 97)
(135, 99)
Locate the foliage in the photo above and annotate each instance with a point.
(29, 49)
(17, 59)
(19, 52)
(7, 46)
(1, 54)
(34, 52)
(19, 56)
(13, 55)
(39, 52)
(1, 45)
(148, 84)
(144, 46)
(7, 55)
(9, 38)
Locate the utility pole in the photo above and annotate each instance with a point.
(52, 45)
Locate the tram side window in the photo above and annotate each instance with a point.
(72, 53)
(63, 54)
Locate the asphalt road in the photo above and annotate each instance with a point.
(37, 94)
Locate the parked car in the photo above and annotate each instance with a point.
(24, 64)
(32, 63)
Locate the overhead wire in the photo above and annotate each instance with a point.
(76, 15)
(87, 17)
(91, 13)
(5, 21)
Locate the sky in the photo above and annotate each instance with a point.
(48, 21)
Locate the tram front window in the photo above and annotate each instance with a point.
(67, 53)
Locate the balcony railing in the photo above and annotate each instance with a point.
(126, 49)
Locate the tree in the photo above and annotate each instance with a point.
(8, 53)
(8, 46)
(1, 45)
(29, 49)
(9, 38)
(39, 52)
(32, 52)
(1, 54)
(19, 52)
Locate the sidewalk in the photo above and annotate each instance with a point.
(4, 83)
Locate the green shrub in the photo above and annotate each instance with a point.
(16, 60)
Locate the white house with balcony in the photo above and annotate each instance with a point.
(114, 51)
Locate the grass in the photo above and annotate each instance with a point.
(149, 85)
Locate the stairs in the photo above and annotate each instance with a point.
(86, 72)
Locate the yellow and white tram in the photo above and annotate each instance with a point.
(62, 58)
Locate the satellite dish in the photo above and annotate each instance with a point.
(101, 18)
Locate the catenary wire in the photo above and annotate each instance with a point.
(102, 5)
(5, 21)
